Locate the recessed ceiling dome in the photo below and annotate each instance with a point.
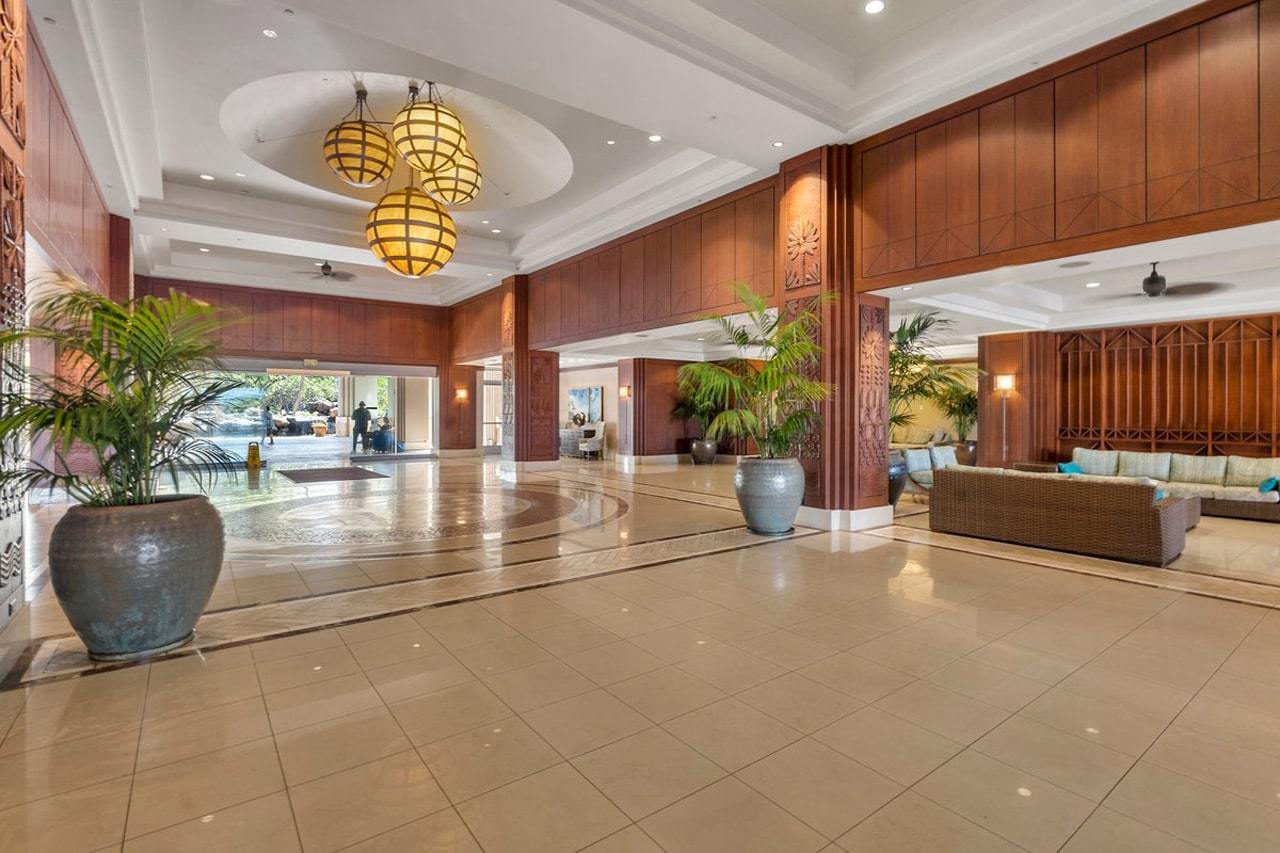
(281, 121)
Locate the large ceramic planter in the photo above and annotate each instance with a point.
(966, 452)
(703, 452)
(897, 476)
(134, 579)
(770, 492)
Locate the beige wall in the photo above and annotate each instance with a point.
(607, 377)
(416, 405)
(930, 420)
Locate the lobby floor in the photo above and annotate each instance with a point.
(655, 679)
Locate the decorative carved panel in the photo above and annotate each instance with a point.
(13, 68)
(804, 263)
(872, 401)
(12, 313)
(509, 406)
(1205, 386)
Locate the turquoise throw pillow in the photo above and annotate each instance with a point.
(1159, 494)
(1070, 468)
(1269, 484)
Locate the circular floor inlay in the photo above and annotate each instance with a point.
(407, 516)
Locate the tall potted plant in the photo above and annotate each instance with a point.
(132, 568)
(764, 394)
(697, 406)
(959, 403)
(915, 374)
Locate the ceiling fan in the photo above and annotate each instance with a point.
(1157, 285)
(327, 271)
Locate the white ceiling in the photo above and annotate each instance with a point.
(1055, 294)
(165, 90)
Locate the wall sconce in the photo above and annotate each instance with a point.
(460, 395)
(1004, 384)
(624, 392)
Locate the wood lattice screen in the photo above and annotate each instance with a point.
(1205, 386)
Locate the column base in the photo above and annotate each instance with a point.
(845, 519)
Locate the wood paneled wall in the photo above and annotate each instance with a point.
(1199, 386)
(475, 327)
(645, 424)
(66, 212)
(674, 271)
(1172, 129)
(280, 324)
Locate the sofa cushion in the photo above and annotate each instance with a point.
(1103, 463)
(1245, 493)
(918, 459)
(1200, 469)
(922, 478)
(1070, 468)
(943, 457)
(1153, 465)
(1243, 471)
(1192, 490)
(1136, 481)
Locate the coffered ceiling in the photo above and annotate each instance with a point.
(164, 91)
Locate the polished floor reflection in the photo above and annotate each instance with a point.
(826, 692)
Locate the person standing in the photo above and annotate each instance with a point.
(360, 426)
(268, 425)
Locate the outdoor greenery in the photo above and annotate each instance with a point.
(282, 393)
(914, 370)
(763, 393)
(959, 402)
(142, 380)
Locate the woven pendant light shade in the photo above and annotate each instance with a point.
(428, 135)
(458, 184)
(411, 233)
(359, 153)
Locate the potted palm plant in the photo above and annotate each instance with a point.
(765, 394)
(915, 374)
(959, 403)
(132, 567)
(697, 406)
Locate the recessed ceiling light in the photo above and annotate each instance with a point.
(489, 274)
(203, 249)
(162, 228)
(495, 230)
(905, 289)
(610, 142)
(319, 263)
(1094, 284)
(702, 339)
(484, 222)
(654, 137)
(271, 34)
(777, 143)
(206, 177)
(874, 7)
(239, 174)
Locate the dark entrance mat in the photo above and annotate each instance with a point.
(330, 475)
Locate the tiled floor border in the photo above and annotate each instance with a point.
(40, 661)
(1209, 586)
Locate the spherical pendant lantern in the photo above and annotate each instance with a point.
(411, 233)
(427, 134)
(458, 184)
(358, 151)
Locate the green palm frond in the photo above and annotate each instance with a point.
(766, 393)
(136, 382)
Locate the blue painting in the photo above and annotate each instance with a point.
(587, 402)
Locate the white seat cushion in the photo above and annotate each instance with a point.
(1192, 490)
(1101, 463)
(922, 478)
(1246, 493)
(1153, 465)
(1198, 469)
(1244, 471)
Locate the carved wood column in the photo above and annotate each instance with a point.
(530, 383)
(846, 461)
(13, 133)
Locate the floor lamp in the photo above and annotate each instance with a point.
(1004, 384)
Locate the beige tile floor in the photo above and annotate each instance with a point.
(833, 692)
(839, 692)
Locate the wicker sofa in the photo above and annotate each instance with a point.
(1112, 518)
(1226, 485)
